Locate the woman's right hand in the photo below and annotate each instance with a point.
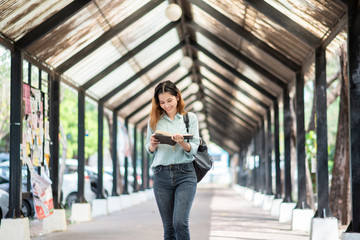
(153, 143)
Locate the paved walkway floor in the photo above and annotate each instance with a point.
(218, 213)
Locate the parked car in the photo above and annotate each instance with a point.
(69, 187)
(4, 203)
(107, 180)
(131, 177)
(70, 184)
(27, 206)
(4, 157)
(109, 171)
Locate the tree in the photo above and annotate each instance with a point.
(4, 96)
(340, 182)
(333, 91)
(69, 121)
(91, 129)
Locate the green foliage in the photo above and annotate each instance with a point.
(91, 129)
(4, 99)
(333, 119)
(332, 65)
(68, 113)
(308, 101)
(69, 120)
(106, 136)
(311, 148)
(332, 68)
(310, 145)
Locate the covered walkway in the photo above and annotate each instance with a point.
(219, 213)
(247, 65)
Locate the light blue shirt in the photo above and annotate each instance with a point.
(166, 154)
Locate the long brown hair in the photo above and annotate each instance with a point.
(156, 111)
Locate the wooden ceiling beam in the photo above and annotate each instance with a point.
(142, 72)
(127, 56)
(224, 101)
(107, 36)
(233, 85)
(234, 71)
(285, 22)
(237, 54)
(151, 84)
(54, 21)
(227, 93)
(222, 113)
(248, 36)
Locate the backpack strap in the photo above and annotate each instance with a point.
(186, 121)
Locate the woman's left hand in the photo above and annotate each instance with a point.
(177, 137)
(180, 140)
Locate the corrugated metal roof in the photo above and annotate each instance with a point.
(19, 17)
(244, 52)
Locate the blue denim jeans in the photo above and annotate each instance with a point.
(174, 189)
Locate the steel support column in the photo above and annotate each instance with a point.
(147, 162)
(143, 161)
(322, 173)
(259, 172)
(240, 168)
(134, 159)
(263, 158)
(257, 160)
(269, 190)
(354, 92)
(16, 111)
(100, 187)
(300, 141)
(278, 190)
(126, 163)
(81, 146)
(287, 144)
(54, 136)
(149, 159)
(114, 156)
(255, 153)
(246, 173)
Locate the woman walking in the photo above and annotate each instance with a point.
(174, 174)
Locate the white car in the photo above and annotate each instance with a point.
(70, 184)
(109, 171)
(131, 177)
(107, 180)
(4, 203)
